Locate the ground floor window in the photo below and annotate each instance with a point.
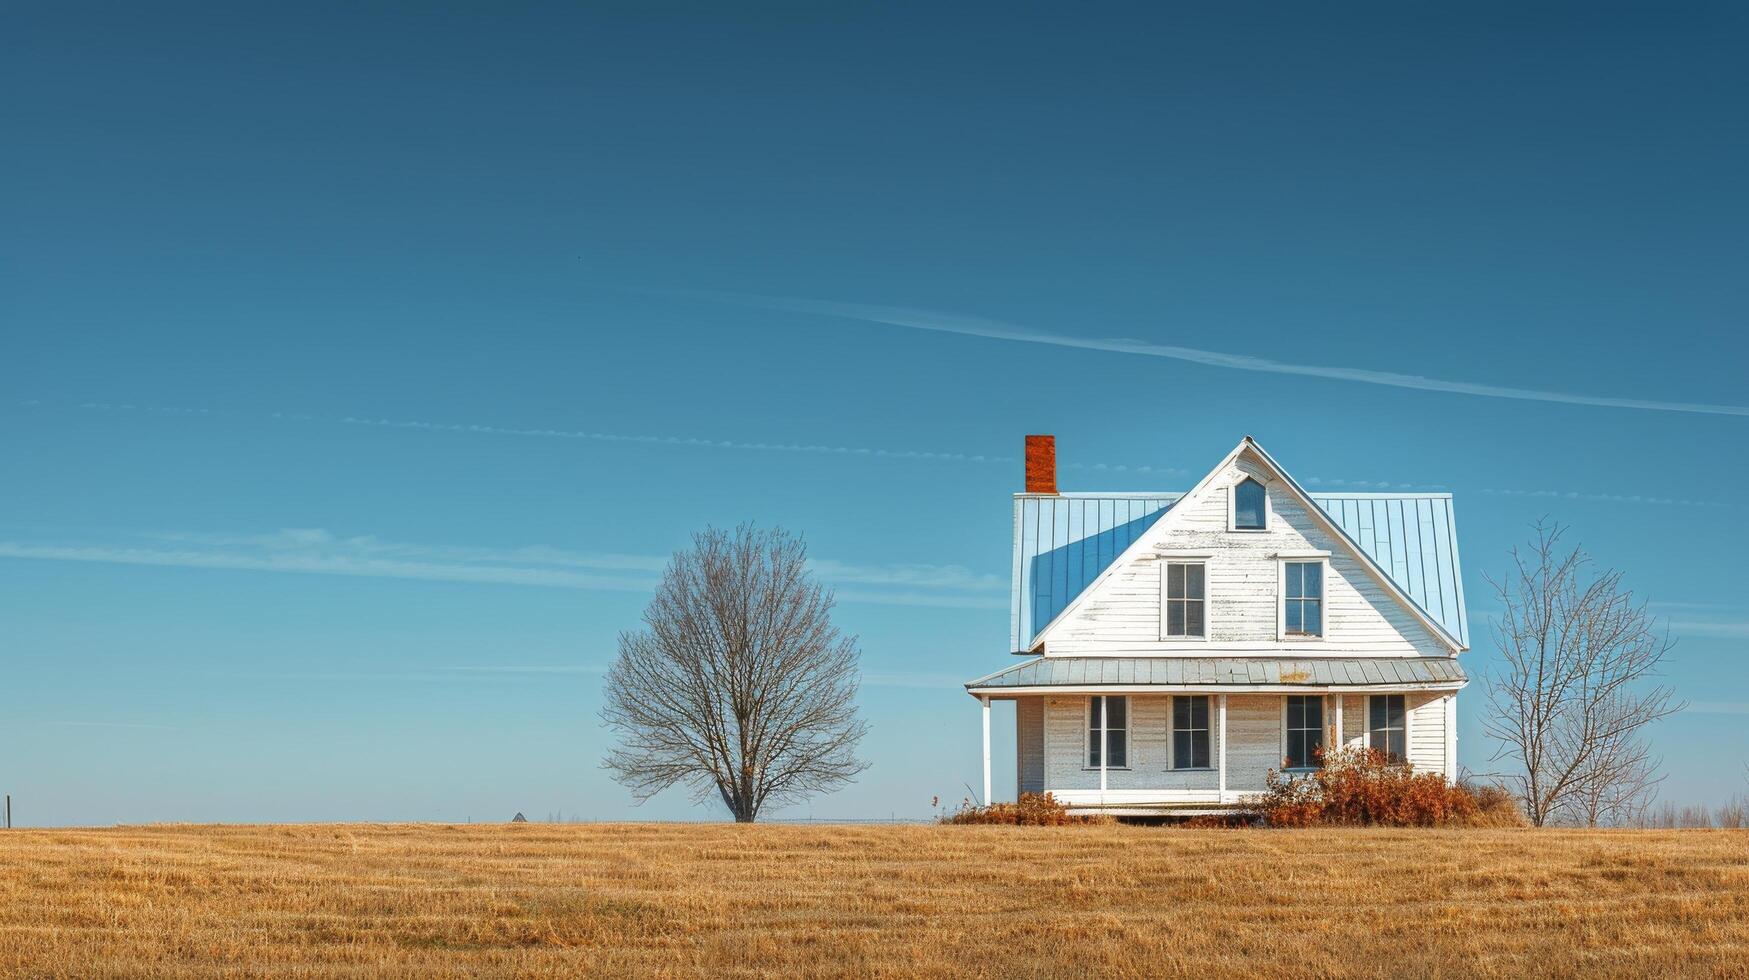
(1305, 730)
(1190, 731)
(1386, 726)
(1108, 725)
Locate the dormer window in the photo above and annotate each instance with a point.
(1250, 506)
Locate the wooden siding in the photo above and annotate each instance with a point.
(1427, 741)
(1122, 617)
(1029, 741)
(1254, 744)
(1149, 751)
(1353, 721)
(1254, 723)
(1426, 732)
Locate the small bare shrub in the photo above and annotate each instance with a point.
(1361, 787)
(1660, 817)
(1696, 817)
(1669, 816)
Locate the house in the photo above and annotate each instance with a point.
(1181, 645)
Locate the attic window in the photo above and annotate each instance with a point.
(1249, 506)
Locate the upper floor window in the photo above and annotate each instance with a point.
(1302, 598)
(1108, 728)
(1184, 600)
(1386, 728)
(1250, 506)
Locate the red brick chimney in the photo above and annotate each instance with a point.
(1041, 464)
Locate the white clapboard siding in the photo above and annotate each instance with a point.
(1029, 740)
(1150, 759)
(1254, 723)
(1254, 742)
(1427, 732)
(1353, 721)
(1121, 613)
(1427, 742)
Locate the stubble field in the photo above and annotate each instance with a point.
(690, 900)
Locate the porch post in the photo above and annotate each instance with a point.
(1221, 744)
(1338, 740)
(1451, 768)
(1104, 744)
(986, 699)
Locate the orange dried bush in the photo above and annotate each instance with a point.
(1361, 787)
(1495, 806)
(1031, 810)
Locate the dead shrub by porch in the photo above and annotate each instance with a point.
(1361, 787)
(1495, 806)
(1031, 810)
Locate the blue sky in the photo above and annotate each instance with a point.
(362, 366)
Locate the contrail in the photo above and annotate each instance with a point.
(571, 434)
(972, 326)
(318, 552)
(698, 442)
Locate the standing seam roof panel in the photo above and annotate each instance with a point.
(1063, 542)
(1216, 672)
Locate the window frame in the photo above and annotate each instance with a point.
(1281, 598)
(1087, 733)
(1321, 729)
(1166, 563)
(1233, 507)
(1207, 731)
(1368, 730)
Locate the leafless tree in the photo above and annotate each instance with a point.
(739, 687)
(1618, 788)
(1572, 705)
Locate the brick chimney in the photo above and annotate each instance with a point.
(1041, 464)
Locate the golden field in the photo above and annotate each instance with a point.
(566, 900)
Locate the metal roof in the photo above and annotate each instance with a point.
(1062, 542)
(1224, 672)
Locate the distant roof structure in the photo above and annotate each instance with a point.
(1063, 541)
(519, 818)
(1234, 672)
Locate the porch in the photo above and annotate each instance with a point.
(1200, 735)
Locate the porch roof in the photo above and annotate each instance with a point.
(1230, 673)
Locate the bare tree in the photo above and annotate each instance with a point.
(1618, 788)
(1572, 706)
(740, 687)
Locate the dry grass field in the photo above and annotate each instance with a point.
(563, 900)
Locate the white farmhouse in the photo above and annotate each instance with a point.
(1181, 645)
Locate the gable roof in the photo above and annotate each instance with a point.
(1064, 542)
